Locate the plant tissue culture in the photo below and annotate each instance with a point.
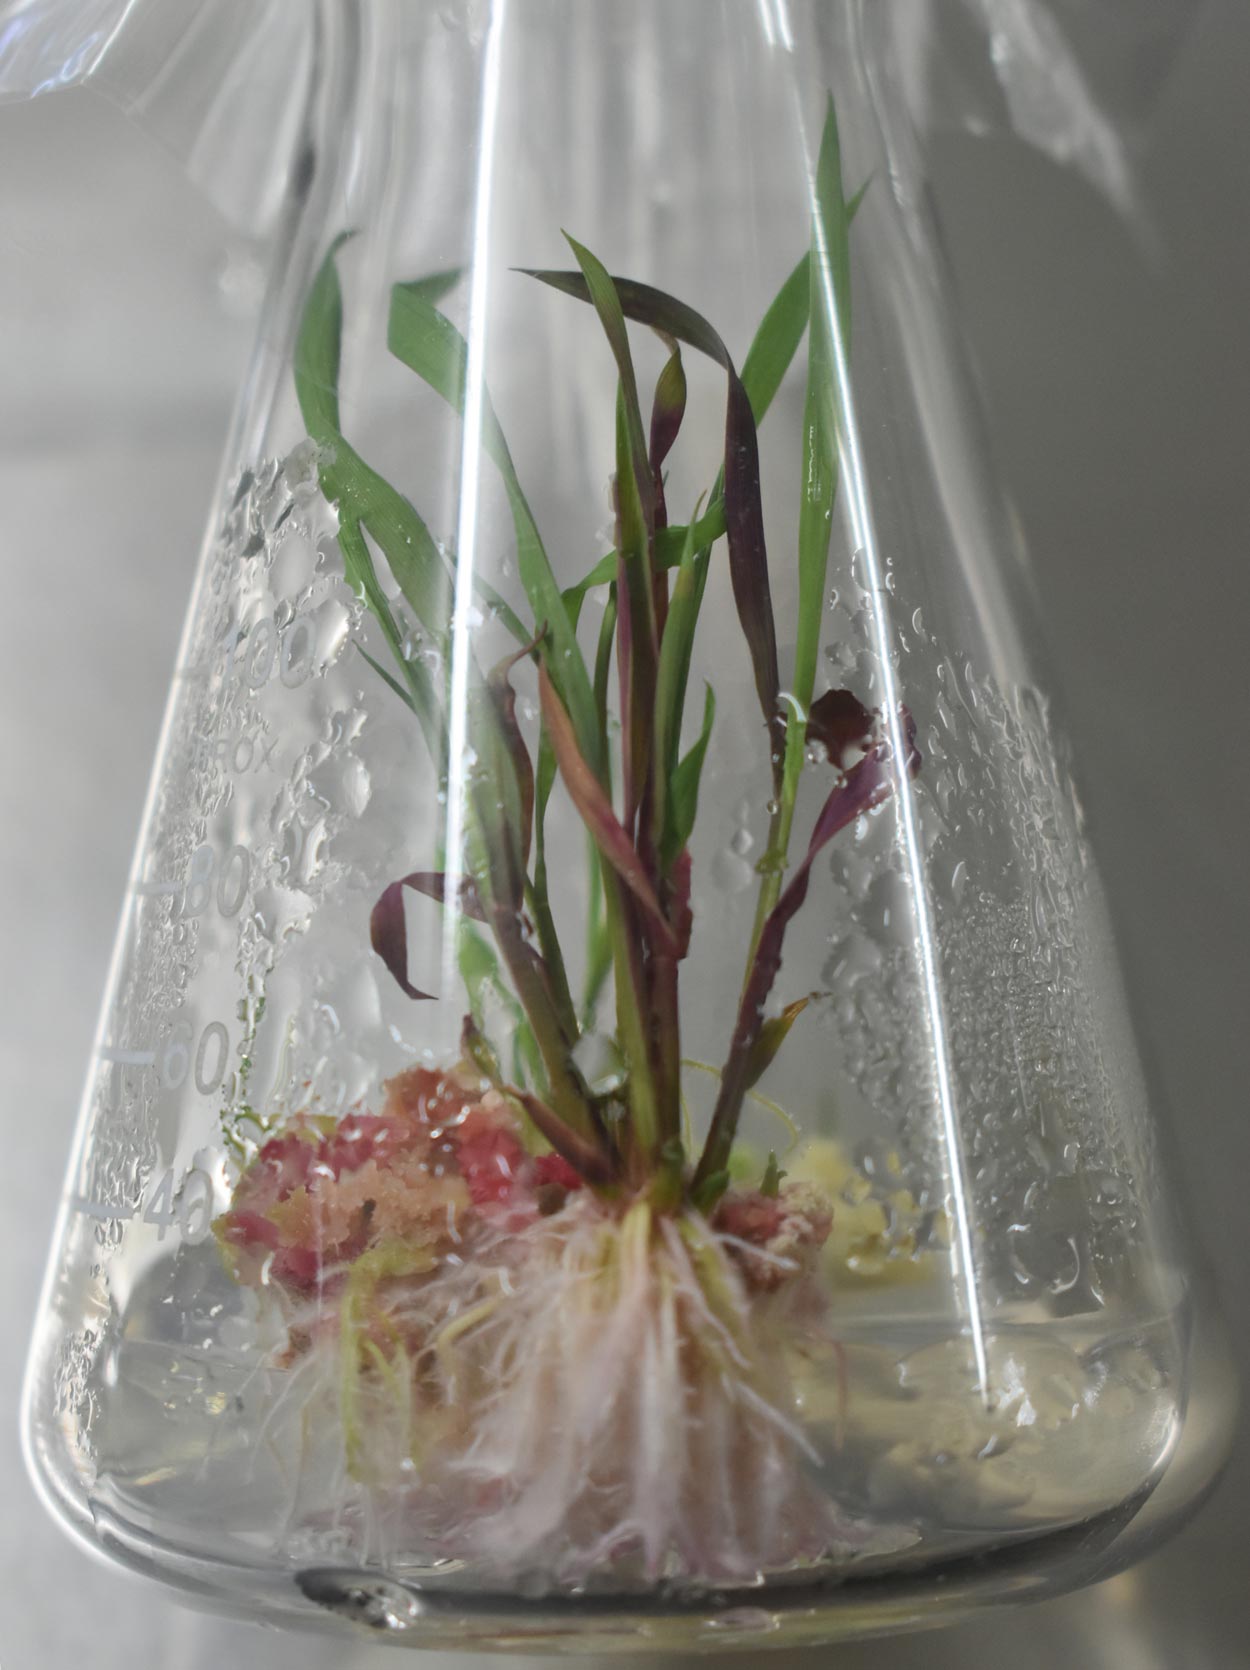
(639, 1156)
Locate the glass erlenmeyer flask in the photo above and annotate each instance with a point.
(614, 1118)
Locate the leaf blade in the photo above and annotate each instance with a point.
(596, 812)
(743, 509)
(424, 340)
(684, 795)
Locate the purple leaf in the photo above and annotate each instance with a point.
(667, 411)
(388, 929)
(864, 786)
(840, 722)
(503, 701)
(744, 512)
(668, 407)
(595, 811)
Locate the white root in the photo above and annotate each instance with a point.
(595, 1397)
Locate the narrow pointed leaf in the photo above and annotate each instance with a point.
(596, 813)
(361, 576)
(501, 609)
(770, 1188)
(405, 696)
(830, 277)
(768, 359)
(361, 495)
(521, 822)
(777, 340)
(477, 1048)
(429, 344)
(483, 978)
(601, 292)
(744, 515)
(503, 699)
(674, 653)
(667, 409)
(683, 802)
(318, 351)
(669, 545)
(772, 1035)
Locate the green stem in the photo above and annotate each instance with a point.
(632, 1010)
(772, 866)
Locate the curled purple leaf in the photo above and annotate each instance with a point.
(388, 928)
(668, 407)
(840, 723)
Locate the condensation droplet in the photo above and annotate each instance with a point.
(730, 872)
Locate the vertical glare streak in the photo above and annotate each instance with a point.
(471, 456)
(864, 534)
(784, 27)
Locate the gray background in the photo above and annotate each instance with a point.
(1118, 394)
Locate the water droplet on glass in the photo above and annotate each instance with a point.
(731, 873)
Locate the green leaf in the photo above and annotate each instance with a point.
(602, 293)
(684, 787)
(670, 690)
(429, 344)
(768, 359)
(829, 283)
(744, 512)
(482, 976)
(829, 277)
(361, 576)
(318, 351)
(777, 340)
(678, 632)
(361, 496)
(405, 696)
(772, 1035)
(669, 545)
(770, 1188)
(598, 941)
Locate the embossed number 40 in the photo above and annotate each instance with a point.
(188, 1208)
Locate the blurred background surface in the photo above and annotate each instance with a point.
(1117, 388)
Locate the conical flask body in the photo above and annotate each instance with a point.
(615, 1113)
